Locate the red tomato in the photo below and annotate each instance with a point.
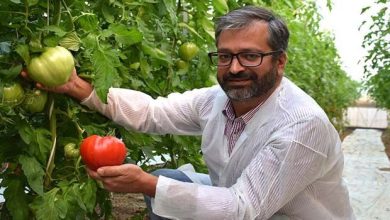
(97, 151)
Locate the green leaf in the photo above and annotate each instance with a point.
(181, 24)
(38, 141)
(208, 26)
(108, 14)
(32, 2)
(16, 1)
(88, 21)
(16, 199)
(170, 6)
(220, 6)
(49, 206)
(125, 35)
(11, 73)
(22, 50)
(88, 194)
(34, 173)
(155, 52)
(55, 29)
(71, 41)
(105, 62)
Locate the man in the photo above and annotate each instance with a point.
(270, 149)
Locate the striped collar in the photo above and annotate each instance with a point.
(228, 111)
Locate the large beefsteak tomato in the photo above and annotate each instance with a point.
(53, 67)
(97, 151)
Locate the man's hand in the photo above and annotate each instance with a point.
(125, 178)
(75, 87)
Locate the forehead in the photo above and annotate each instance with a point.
(254, 35)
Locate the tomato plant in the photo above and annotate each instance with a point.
(99, 151)
(53, 67)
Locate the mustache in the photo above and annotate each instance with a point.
(239, 75)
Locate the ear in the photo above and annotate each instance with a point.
(281, 62)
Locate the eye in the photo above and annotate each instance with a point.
(224, 56)
(250, 56)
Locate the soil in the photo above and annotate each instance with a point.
(132, 207)
(127, 206)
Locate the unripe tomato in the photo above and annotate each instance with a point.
(12, 94)
(71, 151)
(35, 101)
(53, 67)
(182, 65)
(187, 51)
(97, 151)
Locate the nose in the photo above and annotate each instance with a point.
(235, 66)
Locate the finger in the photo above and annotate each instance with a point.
(24, 74)
(93, 174)
(112, 171)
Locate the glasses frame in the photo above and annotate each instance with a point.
(262, 55)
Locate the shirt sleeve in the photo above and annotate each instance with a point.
(175, 114)
(291, 161)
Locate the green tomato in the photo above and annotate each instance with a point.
(53, 67)
(12, 94)
(182, 65)
(35, 101)
(71, 151)
(187, 51)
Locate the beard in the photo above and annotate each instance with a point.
(259, 86)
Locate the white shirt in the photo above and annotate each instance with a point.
(288, 160)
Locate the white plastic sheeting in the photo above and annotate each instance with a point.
(366, 176)
(366, 117)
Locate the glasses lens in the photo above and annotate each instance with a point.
(250, 59)
(221, 59)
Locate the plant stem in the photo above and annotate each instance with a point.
(53, 130)
(57, 12)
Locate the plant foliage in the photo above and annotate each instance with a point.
(377, 60)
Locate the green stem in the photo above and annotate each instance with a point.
(68, 12)
(13, 12)
(53, 130)
(48, 12)
(77, 166)
(57, 12)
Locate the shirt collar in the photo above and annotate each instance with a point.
(228, 111)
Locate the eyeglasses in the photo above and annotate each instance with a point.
(247, 59)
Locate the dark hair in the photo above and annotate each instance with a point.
(245, 16)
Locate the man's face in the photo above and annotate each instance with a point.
(239, 82)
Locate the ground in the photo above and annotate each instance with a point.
(128, 206)
(132, 207)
